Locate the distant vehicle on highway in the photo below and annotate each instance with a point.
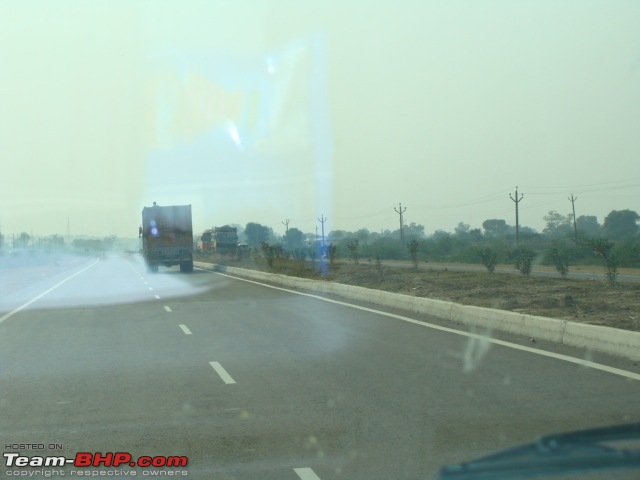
(167, 237)
(225, 240)
(222, 240)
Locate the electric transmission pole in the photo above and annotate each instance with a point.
(400, 211)
(322, 220)
(573, 199)
(517, 201)
(286, 224)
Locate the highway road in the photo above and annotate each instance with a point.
(250, 381)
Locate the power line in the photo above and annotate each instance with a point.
(573, 207)
(484, 199)
(517, 201)
(599, 192)
(587, 185)
(322, 220)
(401, 211)
(540, 204)
(604, 189)
(379, 212)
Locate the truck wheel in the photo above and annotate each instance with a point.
(186, 266)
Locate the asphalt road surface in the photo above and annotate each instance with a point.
(253, 382)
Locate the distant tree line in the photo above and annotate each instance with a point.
(24, 241)
(560, 243)
(93, 244)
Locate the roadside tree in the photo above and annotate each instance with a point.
(557, 225)
(256, 234)
(293, 239)
(621, 224)
(495, 227)
(588, 226)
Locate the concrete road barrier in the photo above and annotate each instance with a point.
(488, 318)
(597, 338)
(603, 339)
(544, 328)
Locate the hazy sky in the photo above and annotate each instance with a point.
(272, 110)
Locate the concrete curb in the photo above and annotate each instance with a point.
(623, 343)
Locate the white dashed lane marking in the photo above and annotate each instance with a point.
(226, 378)
(306, 474)
(167, 308)
(185, 329)
(483, 338)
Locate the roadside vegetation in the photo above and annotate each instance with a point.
(361, 258)
(589, 301)
(614, 244)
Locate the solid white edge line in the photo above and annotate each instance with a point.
(226, 378)
(22, 307)
(557, 356)
(167, 308)
(306, 474)
(185, 329)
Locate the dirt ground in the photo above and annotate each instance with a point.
(587, 301)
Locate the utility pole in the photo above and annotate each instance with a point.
(400, 211)
(286, 224)
(517, 201)
(573, 199)
(322, 220)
